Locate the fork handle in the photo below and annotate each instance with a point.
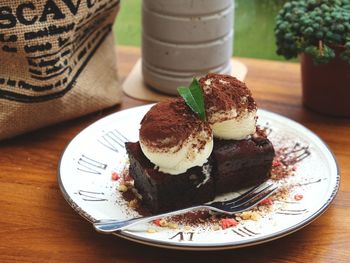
(108, 226)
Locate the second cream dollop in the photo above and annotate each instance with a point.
(231, 110)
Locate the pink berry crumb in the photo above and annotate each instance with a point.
(115, 176)
(298, 197)
(157, 222)
(228, 222)
(276, 163)
(267, 201)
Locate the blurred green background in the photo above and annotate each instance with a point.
(254, 24)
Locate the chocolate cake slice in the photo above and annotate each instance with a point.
(242, 163)
(184, 159)
(163, 192)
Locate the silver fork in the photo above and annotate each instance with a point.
(239, 204)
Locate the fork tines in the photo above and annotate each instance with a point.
(254, 197)
(248, 199)
(256, 192)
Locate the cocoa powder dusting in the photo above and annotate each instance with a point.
(224, 93)
(195, 218)
(170, 123)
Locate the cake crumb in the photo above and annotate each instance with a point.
(187, 228)
(250, 215)
(122, 188)
(281, 194)
(128, 184)
(216, 227)
(151, 230)
(173, 225)
(163, 223)
(133, 203)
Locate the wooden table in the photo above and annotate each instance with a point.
(37, 225)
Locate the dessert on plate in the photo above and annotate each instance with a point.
(183, 159)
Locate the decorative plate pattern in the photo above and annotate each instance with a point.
(85, 178)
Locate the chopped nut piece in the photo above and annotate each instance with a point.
(250, 215)
(216, 227)
(128, 184)
(173, 225)
(122, 188)
(163, 223)
(187, 228)
(133, 203)
(245, 215)
(255, 216)
(151, 230)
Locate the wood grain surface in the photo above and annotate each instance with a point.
(37, 225)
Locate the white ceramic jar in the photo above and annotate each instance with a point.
(185, 38)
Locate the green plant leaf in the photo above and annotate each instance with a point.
(194, 98)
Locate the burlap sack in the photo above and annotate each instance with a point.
(57, 61)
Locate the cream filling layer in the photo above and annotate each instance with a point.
(174, 161)
(237, 128)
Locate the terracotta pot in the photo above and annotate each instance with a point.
(326, 88)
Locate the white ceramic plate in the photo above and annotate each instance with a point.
(84, 176)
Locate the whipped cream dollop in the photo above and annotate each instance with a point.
(230, 108)
(173, 137)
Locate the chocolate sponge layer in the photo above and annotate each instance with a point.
(163, 192)
(241, 163)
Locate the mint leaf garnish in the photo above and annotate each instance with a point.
(194, 98)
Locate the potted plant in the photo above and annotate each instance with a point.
(319, 31)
